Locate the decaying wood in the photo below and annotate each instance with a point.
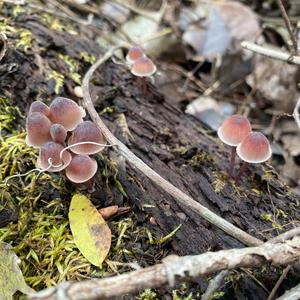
(175, 268)
(181, 197)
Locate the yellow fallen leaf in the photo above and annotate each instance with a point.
(11, 277)
(91, 234)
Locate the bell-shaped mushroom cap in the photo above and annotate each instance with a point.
(81, 169)
(134, 53)
(58, 133)
(234, 130)
(38, 106)
(52, 150)
(255, 148)
(143, 67)
(38, 129)
(86, 131)
(66, 112)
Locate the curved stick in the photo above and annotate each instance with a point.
(181, 198)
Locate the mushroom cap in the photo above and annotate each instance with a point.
(134, 53)
(86, 131)
(53, 150)
(234, 129)
(38, 106)
(81, 169)
(58, 133)
(255, 148)
(143, 67)
(38, 129)
(66, 112)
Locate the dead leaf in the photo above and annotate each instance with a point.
(11, 277)
(91, 234)
(107, 212)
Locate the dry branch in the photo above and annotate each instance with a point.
(182, 198)
(272, 53)
(175, 268)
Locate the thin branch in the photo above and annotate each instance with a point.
(296, 113)
(279, 282)
(288, 25)
(3, 39)
(174, 268)
(181, 198)
(214, 285)
(272, 53)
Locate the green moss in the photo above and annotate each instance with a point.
(58, 78)
(73, 66)
(88, 58)
(201, 157)
(147, 294)
(23, 37)
(56, 23)
(220, 181)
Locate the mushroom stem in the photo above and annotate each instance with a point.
(232, 161)
(240, 173)
(142, 85)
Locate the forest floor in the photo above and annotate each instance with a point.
(48, 56)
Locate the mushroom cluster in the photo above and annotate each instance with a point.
(251, 146)
(65, 141)
(141, 66)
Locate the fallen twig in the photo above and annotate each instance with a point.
(3, 39)
(181, 197)
(296, 113)
(214, 285)
(272, 53)
(172, 268)
(279, 281)
(288, 26)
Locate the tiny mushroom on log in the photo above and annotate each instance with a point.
(66, 112)
(81, 169)
(38, 129)
(233, 130)
(86, 131)
(134, 53)
(53, 150)
(143, 67)
(255, 148)
(58, 133)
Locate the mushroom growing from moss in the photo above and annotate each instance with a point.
(38, 129)
(81, 169)
(86, 131)
(233, 130)
(255, 148)
(143, 68)
(58, 133)
(58, 161)
(66, 112)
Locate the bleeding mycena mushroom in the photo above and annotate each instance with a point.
(142, 68)
(232, 132)
(38, 129)
(134, 54)
(38, 106)
(255, 148)
(66, 112)
(81, 169)
(86, 131)
(53, 150)
(58, 133)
